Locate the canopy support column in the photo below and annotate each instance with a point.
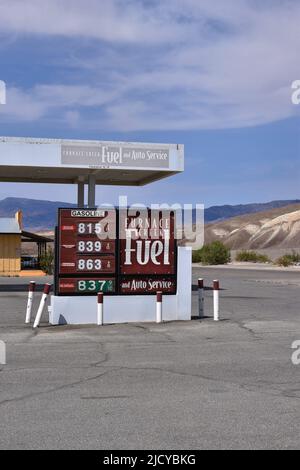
(80, 194)
(91, 191)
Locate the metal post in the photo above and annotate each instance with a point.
(100, 309)
(91, 190)
(201, 298)
(2, 353)
(216, 288)
(80, 194)
(29, 301)
(159, 307)
(41, 306)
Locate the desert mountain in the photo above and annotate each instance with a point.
(278, 227)
(41, 215)
(216, 213)
(37, 215)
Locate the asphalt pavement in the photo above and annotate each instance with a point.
(179, 385)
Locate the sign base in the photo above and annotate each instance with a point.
(134, 308)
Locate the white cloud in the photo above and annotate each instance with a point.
(162, 65)
(108, 20)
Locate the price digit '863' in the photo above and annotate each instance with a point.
(89, 264)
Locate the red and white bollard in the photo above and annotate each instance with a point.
(159, 307)
(46, 292)
(216, 287)
(100, 309)
(201, 298)
(29, 301)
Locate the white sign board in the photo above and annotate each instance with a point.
(115, 156)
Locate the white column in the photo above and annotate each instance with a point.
(159, 307)
(42, 305)
(216, 287)
(29, 301)
(100, 309)
(2, 353)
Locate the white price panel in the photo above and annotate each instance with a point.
(91, 228)
(96, 265)
(87, 247)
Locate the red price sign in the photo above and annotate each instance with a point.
(87, 241)
(92, 257)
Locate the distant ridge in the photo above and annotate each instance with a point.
(275, 228)
(218, 213)
(40, 215)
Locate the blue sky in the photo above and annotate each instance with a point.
(213, 75)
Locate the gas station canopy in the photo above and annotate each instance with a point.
(28, 160)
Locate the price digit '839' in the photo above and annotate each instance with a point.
(89, 246)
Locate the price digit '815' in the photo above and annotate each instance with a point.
(90, 228)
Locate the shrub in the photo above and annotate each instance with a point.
(212, 254)
(284, 261)
(47, 262)
(196, 256)
(288, 259)
(252, 257)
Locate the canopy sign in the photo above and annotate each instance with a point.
(114, 252)
(115, 156)
(65, 161)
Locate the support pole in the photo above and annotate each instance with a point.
(29, 301)
(91, 191)
(100, 309)
(2, 353)
(41, 306)
(201, 298)
(159, 307)
(216, 287)
(80, 194)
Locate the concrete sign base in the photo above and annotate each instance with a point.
(131, 308)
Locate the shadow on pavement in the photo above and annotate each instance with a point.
(195, 288)
(19, 287)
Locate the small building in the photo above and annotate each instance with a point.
(10, 245)
(12, 236)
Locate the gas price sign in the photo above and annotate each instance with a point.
(115, 252)
(148, 253)
(86, 251)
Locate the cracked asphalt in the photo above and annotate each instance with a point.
(179, 385)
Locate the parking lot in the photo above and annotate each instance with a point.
(178, 385)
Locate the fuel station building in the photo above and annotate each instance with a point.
(91, 163)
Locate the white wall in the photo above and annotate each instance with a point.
(125, 309)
